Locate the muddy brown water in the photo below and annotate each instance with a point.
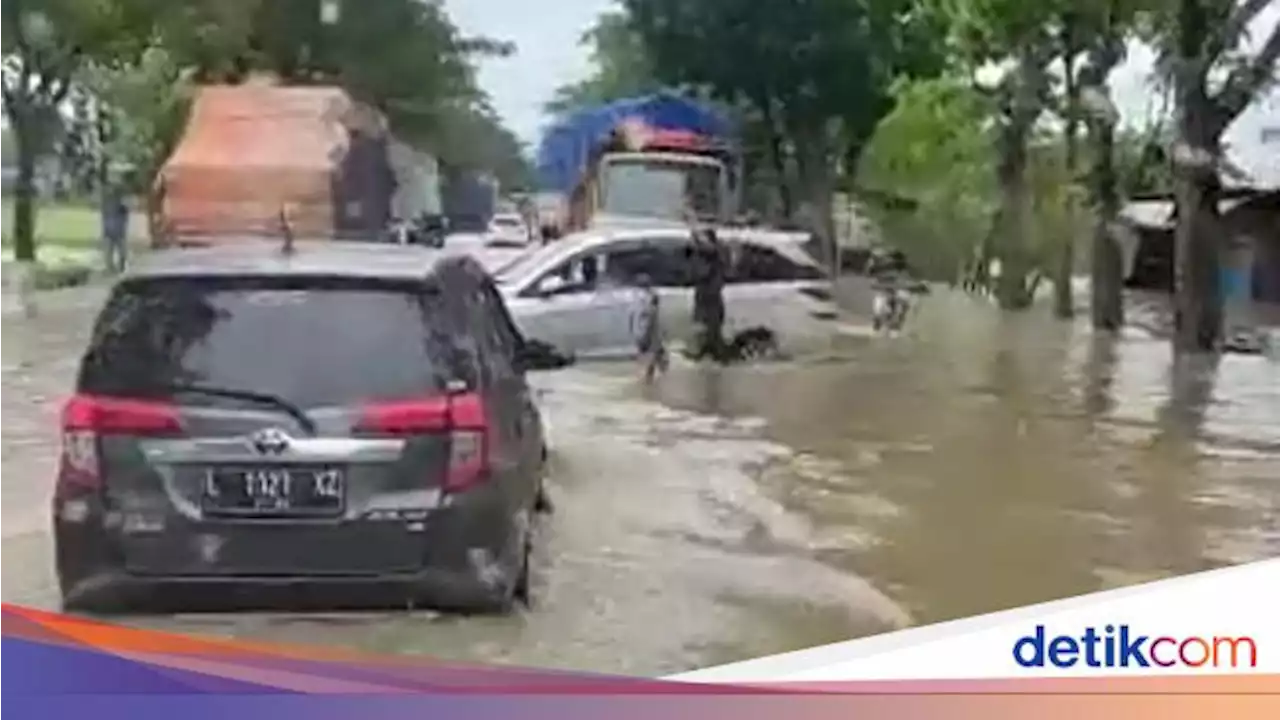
(978, 462)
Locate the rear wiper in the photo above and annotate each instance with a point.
(294, 411)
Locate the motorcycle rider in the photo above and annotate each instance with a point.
(891, 278)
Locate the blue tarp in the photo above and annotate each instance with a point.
(565, 148)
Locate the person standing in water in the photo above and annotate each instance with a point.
(649, 338)
(708, 265)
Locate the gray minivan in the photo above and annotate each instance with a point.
(344, 423)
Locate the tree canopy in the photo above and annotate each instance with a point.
(620, 67)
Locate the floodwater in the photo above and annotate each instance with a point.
(977, 463)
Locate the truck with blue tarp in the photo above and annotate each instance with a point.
(648, 159)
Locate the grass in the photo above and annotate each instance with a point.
(68, 236)
(70, 225)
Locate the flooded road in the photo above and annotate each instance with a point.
(978, 463)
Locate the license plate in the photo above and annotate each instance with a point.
(274, 491)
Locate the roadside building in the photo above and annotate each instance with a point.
(1251, 242)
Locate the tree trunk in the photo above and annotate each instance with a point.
(1013, 217)
(1197, 301)
(1106, 304)
(1107, 300)
(814, 164)
(1063, 307)
(24, 202)
(778, 158)
(24, 194)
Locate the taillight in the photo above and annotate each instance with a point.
(85, 418)
(461, 416)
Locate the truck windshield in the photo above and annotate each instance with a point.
(660, 188)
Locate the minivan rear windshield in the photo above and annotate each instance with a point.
(312, 342)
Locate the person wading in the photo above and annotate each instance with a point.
(708, 265)
(648, 330)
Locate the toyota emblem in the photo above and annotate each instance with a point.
(271, 441)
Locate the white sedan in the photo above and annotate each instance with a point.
(581, 294)
(508, 229)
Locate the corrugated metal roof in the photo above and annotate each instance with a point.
(1148, 213)
(1159, 214)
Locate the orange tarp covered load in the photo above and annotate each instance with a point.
(247, 152)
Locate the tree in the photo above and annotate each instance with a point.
(619, 62)
(1200, 40)
(474, 139)
(1025, 39)
(935, 150)
(44, 45)
(404, 57)
(141, 110)
(818, 73)
(1109, 23)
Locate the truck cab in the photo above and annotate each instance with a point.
(643, 161)
(655, 183)
(661, 186)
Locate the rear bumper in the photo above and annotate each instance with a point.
(463, 566)
(116, 591)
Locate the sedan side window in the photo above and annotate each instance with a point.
(628, 266)
(664, 262)
(761, 264)
(579, 275)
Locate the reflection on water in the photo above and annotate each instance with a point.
(990, 461)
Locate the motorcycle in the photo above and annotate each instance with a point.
(889, 309)
(424, 230)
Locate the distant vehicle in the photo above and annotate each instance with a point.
(345, 418)
(890, 307)
(508, 229)
(646, 159)
(582, 294)
(424, 230)
(469, 200)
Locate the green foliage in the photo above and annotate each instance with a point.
(620, 64)
(1142, 164)
(404, 57)
(145, 104)
(935, 148)
(820, 60)
(475, 139)
(44, 45)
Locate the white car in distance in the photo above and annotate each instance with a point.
(508, 229)
(582, 294)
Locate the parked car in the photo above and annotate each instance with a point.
(508, 229)
(582, 293)
(344, 417)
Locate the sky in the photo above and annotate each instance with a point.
(548, 55)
